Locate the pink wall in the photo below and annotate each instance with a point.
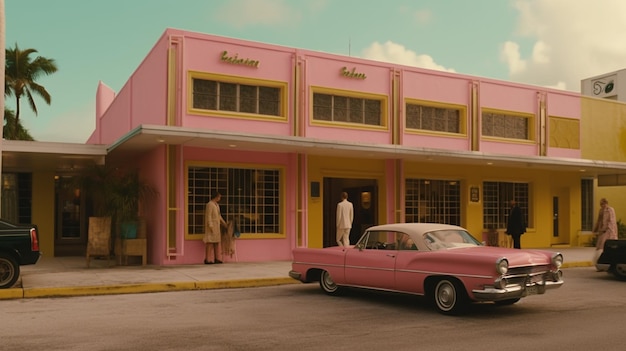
(203, 53)
(508, 96)
(564, 105)
(152, 169)
(142, 100)
(247, 249)
(325, 71)
(149, 88)
(514, 98)
(436, 87)
(116, 121)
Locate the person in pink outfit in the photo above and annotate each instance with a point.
(605, 227)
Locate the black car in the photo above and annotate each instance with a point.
(613, 258)
(19, 245)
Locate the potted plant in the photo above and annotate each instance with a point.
(127, 192)
(115, 196)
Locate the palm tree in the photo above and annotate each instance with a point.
(21, 74)
(9, 131)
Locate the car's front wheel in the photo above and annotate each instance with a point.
(9, 270)
(449, 296)
(620, 271)
(328, 284)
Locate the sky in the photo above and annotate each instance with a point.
(548, 43)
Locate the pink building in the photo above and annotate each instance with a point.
(281, 132)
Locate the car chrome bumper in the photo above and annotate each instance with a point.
(515, 291)
(295, 275)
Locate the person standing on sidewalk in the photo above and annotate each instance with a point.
(213, 222)
(345, 215)
(516, 225)
(605, 227)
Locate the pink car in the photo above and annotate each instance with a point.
(440, 261)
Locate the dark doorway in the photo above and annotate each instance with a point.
(70, 220)
(555, 216)
(363, 194)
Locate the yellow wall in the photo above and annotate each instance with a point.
(543, 186)
(43, 210)
(319, 168)
(603, 136)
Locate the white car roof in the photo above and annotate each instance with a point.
(415, 228)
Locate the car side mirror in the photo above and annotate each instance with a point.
(360, 246)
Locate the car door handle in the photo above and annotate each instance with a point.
(391, 255)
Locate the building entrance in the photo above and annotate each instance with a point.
(70, 219)
(363, 194)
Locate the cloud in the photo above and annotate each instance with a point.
(249, 13)
(565, 43)
(423, 16)
(396, 53)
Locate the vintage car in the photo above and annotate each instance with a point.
(613, 259)
(19, 246)
(443, 262)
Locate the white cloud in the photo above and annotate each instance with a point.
(396, 53)
(511, 55)
(245, 13)
(566, 43)
(423, 16)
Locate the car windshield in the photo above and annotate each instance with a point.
(449, 239)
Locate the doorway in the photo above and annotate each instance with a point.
(363, 193)
(560, 224)
(70, 237)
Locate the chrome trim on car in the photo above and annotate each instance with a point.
(549, 280)
(502, 265)
(295, 275)
(557, 260)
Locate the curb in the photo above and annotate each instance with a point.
(577, 264)
(29, 293)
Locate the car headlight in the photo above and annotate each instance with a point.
(502, 265)
(557, 260)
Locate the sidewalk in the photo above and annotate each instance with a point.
(69, 276)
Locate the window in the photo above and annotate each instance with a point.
(504, 125)
(250, 196)
(586, 201)
(234, 97)
(437, 201)
(346, 109)
(17, 194)
(439, 119)
(497, 197)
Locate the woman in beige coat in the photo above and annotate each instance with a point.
(213, 222)
(605, 228)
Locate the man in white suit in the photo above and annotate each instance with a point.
(345, 215)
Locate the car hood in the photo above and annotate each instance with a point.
(516, 257)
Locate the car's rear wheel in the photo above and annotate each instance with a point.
(9, 270)
(328, 284)
(449, 296)
(620, 271)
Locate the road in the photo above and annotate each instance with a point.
(585, 314)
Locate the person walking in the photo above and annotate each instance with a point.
(516, 225)
(605, 227)
(345, 216)
(213, 222)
